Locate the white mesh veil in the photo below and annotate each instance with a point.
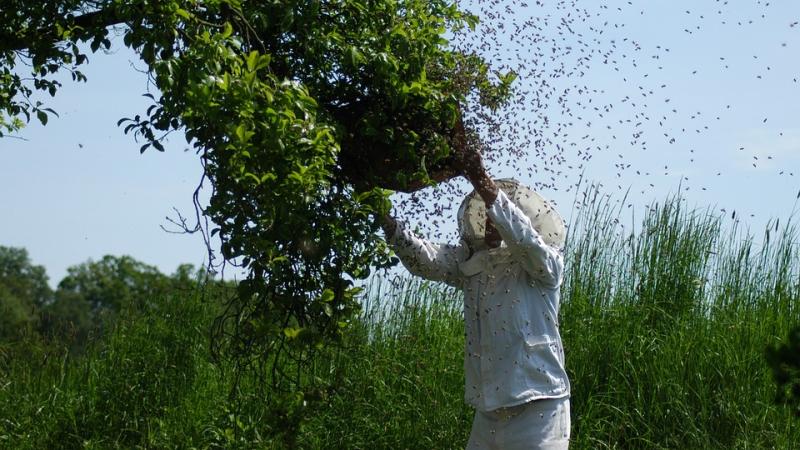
(544, 218)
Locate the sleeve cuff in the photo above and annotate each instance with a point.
(399, 229)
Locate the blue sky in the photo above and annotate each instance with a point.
(79, 189)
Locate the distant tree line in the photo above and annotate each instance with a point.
(85, 302)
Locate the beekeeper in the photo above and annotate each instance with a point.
(510, 267)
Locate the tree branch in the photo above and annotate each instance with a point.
(102, 18)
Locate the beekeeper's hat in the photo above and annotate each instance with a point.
(544, 218)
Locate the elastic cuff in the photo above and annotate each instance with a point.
(399, 228)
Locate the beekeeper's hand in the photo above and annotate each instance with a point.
(469, 162)
(467, 159)
(389, 225)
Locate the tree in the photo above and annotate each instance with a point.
(304, 113)
(90, 298)
(17, 317)
(68, 322)
(112, 283)
(91, 295)
(23, 291)
(22, 278)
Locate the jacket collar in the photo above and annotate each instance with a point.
(484, 260)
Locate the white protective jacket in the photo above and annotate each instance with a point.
(513, 351)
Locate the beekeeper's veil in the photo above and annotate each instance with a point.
(544, 218)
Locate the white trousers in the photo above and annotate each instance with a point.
(540, 424)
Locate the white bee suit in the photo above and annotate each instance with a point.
(513, 352)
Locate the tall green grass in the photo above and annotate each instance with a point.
(664, 329)
(401, 381)
(130, 390)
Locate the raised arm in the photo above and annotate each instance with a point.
(507, 222)
(436, 262)
(540, 260)
(470, 163)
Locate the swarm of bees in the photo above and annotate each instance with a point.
(598, 92)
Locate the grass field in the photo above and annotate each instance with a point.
(665, 333)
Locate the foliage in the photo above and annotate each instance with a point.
(144, 369)
(784, 359)
(685, 306)
(22, 278)
(140, 372)
(112, 282)
(23, 291)
(402, 372)
(92, 294)
(87, 299)
(17, 317)
(70, 321)
(644, 374)
(302, 112)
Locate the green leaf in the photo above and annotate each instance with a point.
(292, 332)
(354, 56)
(252, 61)
(227, 30)
(278, 259)
(327, 296)
(183, 13)
(353, 291)
(42, 116)
(243, 133)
